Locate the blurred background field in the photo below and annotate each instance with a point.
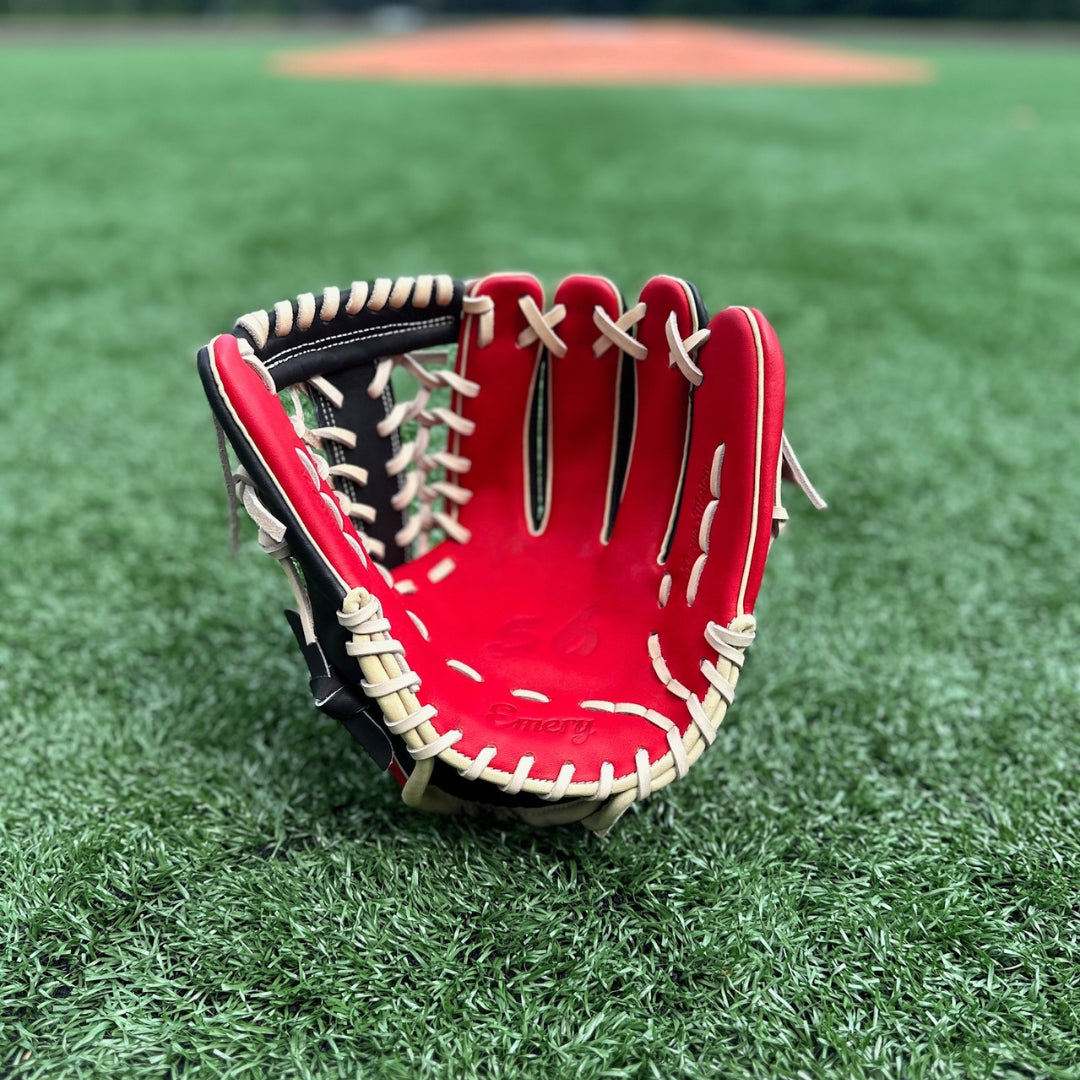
(1014, 10)
(875, 870)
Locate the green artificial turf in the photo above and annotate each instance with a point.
(875, 871)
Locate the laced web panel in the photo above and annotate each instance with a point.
(395, 487)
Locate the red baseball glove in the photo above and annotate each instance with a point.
(527, 583)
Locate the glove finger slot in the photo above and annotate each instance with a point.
(647, 514)
(725, 525)
(503, 478)
(591, 395)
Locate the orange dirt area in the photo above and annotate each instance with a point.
(576, 52)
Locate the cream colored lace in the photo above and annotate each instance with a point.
(680, 350)
(615, 332)
(421, 291)
(238, 485)
(415, 459)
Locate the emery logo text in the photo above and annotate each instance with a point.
(577, 727)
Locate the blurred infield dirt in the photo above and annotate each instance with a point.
(576, 51)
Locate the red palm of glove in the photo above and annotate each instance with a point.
(567, 656)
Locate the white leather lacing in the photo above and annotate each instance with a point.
(422, 292)
(483, 309)
(431, 372)
(317, 438)
(788, 466)
(612, 332)
(271, 535)
(542, 326)
(387, 676)
(680, 349)
(731, 643)
(617, 332)
(416, 459)
(797, 473)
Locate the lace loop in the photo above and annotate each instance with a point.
(616, 332)
(542, 326)
(797, 473)
(482, 308)
(680, 349)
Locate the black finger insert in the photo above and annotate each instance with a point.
(360, 414)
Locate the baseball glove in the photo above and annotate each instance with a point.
(525, 584)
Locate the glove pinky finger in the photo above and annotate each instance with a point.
(725, 518)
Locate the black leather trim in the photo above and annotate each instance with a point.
(342, 700)
(346, 341)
